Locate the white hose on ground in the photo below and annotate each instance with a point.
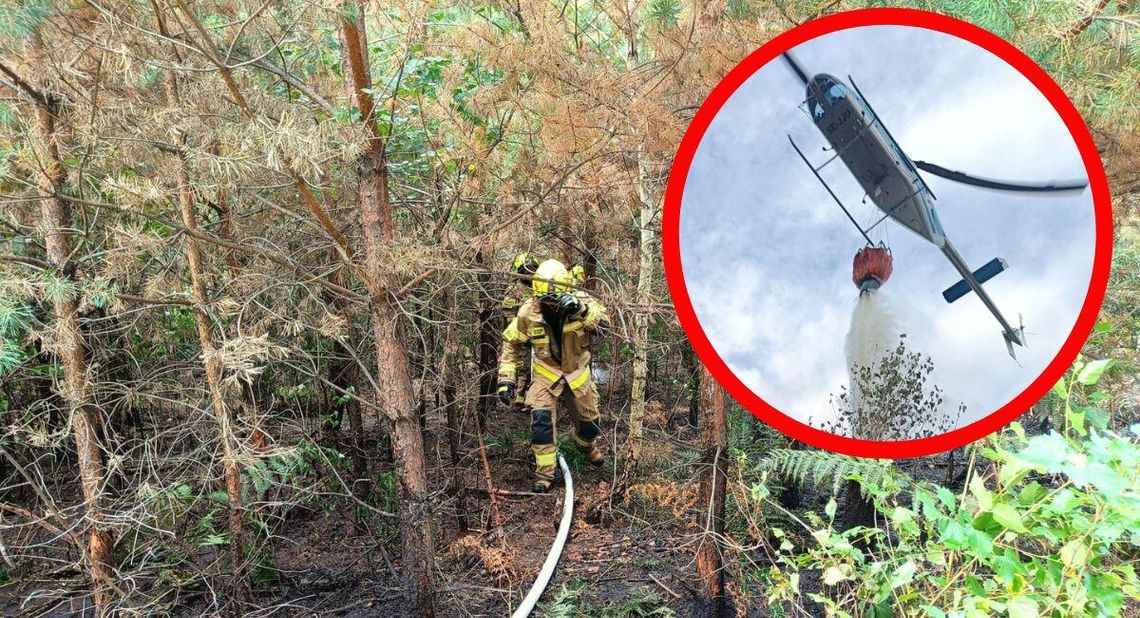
(551, 563)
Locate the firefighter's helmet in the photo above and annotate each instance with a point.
(578, 273)
(525, 264)
(551, 277)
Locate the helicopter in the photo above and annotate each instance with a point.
(891, 180)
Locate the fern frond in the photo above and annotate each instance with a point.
(822, 468)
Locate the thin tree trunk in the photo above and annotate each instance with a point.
(496, 515)
(692, 370)
(646, 218)
(347, 380)
(248, 410)
(590, 259)
(346, 375)
(397, 400)
(231, 471)
(393, 377)
(222, 414)
(710, 566)
(75, 391)
(449, 377)
(487, 343)
(454, 434)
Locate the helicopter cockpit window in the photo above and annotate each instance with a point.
(816, 110)
(835, 93)
(935, 223)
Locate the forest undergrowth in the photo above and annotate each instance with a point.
(252, 265)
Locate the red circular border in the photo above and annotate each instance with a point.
(880, 17)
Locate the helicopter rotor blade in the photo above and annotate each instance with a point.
(799, 71)
(1001, 185)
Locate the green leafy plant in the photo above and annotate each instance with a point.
(1080, 408)
(1052, 530)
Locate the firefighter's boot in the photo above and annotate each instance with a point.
(591, 452)
(586, 427)
(594, 456)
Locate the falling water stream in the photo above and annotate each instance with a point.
(905, 401)
(873, 333)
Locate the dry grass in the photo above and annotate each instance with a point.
(495, 561)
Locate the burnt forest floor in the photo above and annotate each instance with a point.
(625, 557)
(629, 559)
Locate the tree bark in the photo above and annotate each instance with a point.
(449, 378)
(230, 470)
(398, 402)
(692, 372)
(487, 345)
(454, 435)
(647, 242)
(76, 387)
(393, 377)
(714, 459)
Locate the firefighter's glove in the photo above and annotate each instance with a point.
(570, 307)
(506, 393)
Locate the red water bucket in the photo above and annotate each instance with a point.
(872, 267)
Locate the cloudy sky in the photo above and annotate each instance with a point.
(767, 254)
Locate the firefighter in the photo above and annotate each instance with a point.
(556, 322)
(523, 264)
(578, 273)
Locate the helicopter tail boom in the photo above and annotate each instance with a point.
(1055, 186)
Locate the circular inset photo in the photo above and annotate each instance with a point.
(887, 227)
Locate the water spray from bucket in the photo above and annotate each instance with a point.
(874, 333)
(890, 394)
(874, 329)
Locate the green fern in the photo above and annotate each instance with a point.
(640, 605)
(821, 468)
(567, 603)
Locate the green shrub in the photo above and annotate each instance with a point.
(1052, 528)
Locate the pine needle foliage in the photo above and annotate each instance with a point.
(21, 18)
(523, 125)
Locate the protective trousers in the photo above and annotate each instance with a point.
(542, 398)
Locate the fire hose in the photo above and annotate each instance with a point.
(551, 562)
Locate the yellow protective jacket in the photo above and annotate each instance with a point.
(552, 360)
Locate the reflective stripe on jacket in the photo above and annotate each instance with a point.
(529, 330)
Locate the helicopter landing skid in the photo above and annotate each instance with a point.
(815, 171)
